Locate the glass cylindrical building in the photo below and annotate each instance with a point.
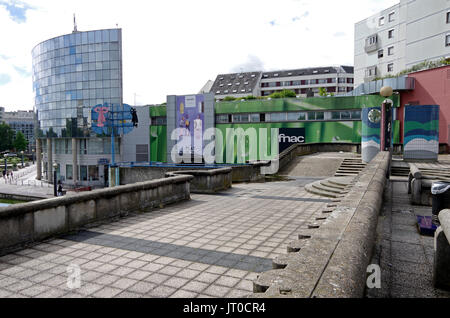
(73, 73)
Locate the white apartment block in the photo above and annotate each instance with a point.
(336, 80)
(400, 37)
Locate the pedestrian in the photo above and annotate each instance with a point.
(7, 175)
(4, 175)
(12, 178)
(60, 190)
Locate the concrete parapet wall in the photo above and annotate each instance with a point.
(207, 181)
(22, 224)
(332, 260)
(441, 266)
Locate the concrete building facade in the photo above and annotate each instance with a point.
(22, 121)
(400, 37)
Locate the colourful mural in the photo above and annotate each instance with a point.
(421, 132)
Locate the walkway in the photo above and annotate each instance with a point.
(210, 246)
(405, 256)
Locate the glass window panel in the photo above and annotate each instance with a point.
(356, 114)
(114, 55)
(69, 172)
(113, 35)
(336, 115)
(98, 36)
(114, 74)
(278, 117)
(91, 37)
(83, 173)
(320, 115)
(345, 115)
(255, 118)
(105, 36)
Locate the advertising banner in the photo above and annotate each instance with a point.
(189, 119)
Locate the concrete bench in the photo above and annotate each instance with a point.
(441, 268)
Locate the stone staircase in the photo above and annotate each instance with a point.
(335, 187)
(350, 167)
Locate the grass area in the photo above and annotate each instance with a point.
(8, 201)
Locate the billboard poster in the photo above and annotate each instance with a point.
(190, 119)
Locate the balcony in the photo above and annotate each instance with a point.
(372, 43)
(371, 73)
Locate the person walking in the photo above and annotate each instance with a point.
(4, 175)
(7, 176)
(60, 190)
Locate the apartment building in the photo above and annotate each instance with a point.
(336, 80)
(400, 37)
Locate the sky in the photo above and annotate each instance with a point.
(173, 47)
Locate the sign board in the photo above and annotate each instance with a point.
(290, 136)
(112, 116)
(189, 118)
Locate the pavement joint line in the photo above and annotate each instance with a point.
(211, 257)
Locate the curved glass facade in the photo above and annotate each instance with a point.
(71, 74)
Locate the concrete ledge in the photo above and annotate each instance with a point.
(441, 268)
(334, 260)
(207, 181)
(21, 224)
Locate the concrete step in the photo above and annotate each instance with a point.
(329, 184)
(321, 187)
(309, 188)
(341, 181)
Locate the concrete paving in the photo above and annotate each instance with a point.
(324, 164)
(210, 246)
(405, 257)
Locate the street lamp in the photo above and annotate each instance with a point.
(32, 151)
(55, 166)
(22, 157)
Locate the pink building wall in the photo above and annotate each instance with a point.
(432, 88)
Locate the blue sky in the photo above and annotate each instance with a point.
(17, 10)
(175, 46)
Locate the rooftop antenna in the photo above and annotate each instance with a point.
(74, 24)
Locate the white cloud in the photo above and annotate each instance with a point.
(175, 46)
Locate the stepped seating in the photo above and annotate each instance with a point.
(335, 187)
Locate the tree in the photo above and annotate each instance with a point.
(283, 94)
(6, 137)
(20, 143)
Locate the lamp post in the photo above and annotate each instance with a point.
(32, 155)
(386, 120)
(386, 124)
(6, 162)
(22, 157)
(55, 166)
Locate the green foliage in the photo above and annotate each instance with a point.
(323, 92)
(283, 94)
(6, 137)
(426, 65)
(229, 99)
(20, 143)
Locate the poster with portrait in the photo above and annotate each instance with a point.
(190, 116)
